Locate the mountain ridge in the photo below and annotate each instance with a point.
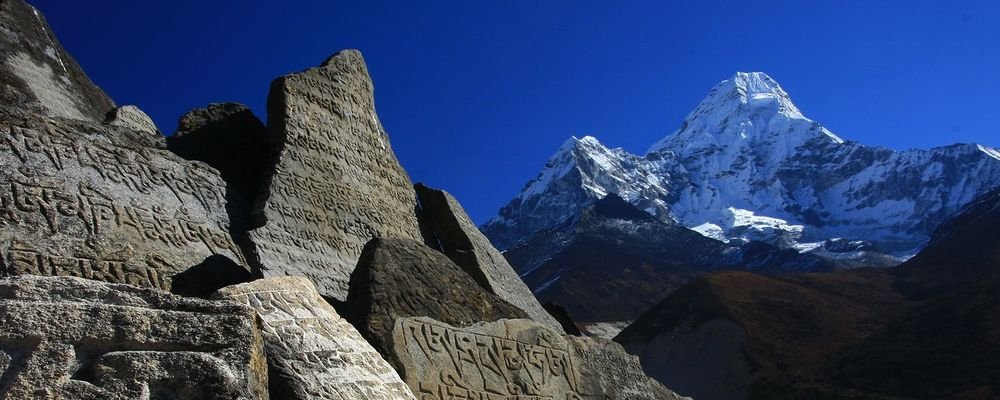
(746, 164)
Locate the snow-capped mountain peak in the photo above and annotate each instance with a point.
(749, 107)
(747, 164)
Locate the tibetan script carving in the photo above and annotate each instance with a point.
(85, 200)
(337, 183)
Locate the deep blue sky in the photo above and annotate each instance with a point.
(476, 95)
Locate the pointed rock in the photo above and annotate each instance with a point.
(133, 118)
(230, 138)
(399, 278)
(336, 183)
(313, 353)
(38, 75)
(462, 242)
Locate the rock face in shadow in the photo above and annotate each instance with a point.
(336, 183)
(398, 278)
(613, 261)
(461, 241)
(313, 353)
(230, 138)
(105, 202)
(516, 359)
(38, 75)
(69, 338)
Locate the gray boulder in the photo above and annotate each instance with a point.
(230, 138)
(459, 238)
(516, 359)
(133, 118)
(313, 353)
(37, 74)
(336, 183)
(398, 278)
(69, 338)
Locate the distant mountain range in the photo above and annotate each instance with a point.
(747, 165)
(928, 329)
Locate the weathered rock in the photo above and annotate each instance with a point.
(515, 359)
(133, 118)
(37, 74)
(398, 278)
(337, 182)
(230, 138)
(461, 241)
(69, 338)
(312, 352)
(565, 321)
(102, 202)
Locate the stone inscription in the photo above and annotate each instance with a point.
(515, 359)
(443, 362)
(67, 338)
(318, 353)
(76, 199)
(337, 183)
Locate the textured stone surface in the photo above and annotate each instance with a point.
(102, 202)
(337, 183)
(69, 338)
(37, 74)
(515, 359)
(133, 118)
(230, 138)
(312, 352)
(461, 241)
(399, 278)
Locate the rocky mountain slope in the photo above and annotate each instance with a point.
(132, 267)
(926, 330)
(612, 261)
(747, 164)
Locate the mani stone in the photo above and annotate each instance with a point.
(230, 138)
(68, 338)
(37, 75)
(399, 278)
(103, 202)
(336, 183)
(133, 118)
(461, 241)
(313, 353)
(520, 359)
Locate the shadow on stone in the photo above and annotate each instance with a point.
(214, 273)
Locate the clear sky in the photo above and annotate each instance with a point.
(476, 95)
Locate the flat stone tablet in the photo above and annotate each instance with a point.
(515, 359)
(312, 352)
(72, 339)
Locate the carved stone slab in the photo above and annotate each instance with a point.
(100, 202)
(68, 338)
(337, 183)
(464, 244)
(515, 359)
(312, 352)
